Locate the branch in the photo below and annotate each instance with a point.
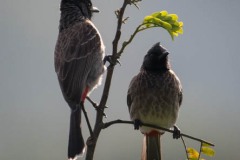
(125, 43)
(119, 26)
(108, 124)
(137, 30)
(92, 140)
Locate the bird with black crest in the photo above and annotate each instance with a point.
(154, 97)
(78, 59)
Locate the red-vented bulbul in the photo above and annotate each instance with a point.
(79, 64)
(154, 97)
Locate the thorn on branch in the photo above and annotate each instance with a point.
(135, 3)
(95, 105)
(125, 20)
(117, 13)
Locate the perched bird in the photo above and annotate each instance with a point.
(79, 54)
(154, 97)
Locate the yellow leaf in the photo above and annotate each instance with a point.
(208, 151)
(147, 19)
(171, 34)
(205, 144)
(180, 24)
(180, 31)
(175, 34)
(164, 20)
(159, 22)
(156, 14)
(164, 13)
(174, 17)
(192, 153)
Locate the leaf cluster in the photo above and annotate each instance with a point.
(195, 155)
(165, 20)
(161, 19)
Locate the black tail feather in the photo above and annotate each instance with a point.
(151, 148)
(76, 141)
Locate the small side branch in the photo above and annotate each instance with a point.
(185, 147)
(87, 120)
(118, 121)
(200, 151)
(108, 124)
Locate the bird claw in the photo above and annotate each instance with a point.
(108, 58)
(137, 124)
(176, 132)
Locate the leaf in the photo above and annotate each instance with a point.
(173, 16)
(205, 144)
(207, 151)
(192, 154)
(162, 19)
(164, 13)
(147, 19)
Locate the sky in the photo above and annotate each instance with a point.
(34, 118)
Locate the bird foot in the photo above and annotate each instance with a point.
(109, 59)
(137, 124)
(176, 132)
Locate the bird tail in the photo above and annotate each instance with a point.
(76, 142)
(151, 147)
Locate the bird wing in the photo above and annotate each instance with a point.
(130, 92)
(74, 52)
(179, 88)
(180, 97)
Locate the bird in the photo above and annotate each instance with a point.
(78, 61)
(154, 97)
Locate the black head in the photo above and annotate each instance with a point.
(85, 6)
(156, 59)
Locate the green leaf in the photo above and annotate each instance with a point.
(162, 19)
(207, 151)
(163, 13)
(173, 16)
(147, 19)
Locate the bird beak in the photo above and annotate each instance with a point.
(95, 10)
(164, 54)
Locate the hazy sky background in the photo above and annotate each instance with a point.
(34, 118)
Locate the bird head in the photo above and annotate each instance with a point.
(156, 59)
(85, 7)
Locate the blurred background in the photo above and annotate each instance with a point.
(34, 118)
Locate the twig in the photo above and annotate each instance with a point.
(92, 102)
(185, 147)
(137, 30)
(118, 121)
(125, 43)
(87, 120)
(200, 151)
(108, 124)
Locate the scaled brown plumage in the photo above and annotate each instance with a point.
(154, 97)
